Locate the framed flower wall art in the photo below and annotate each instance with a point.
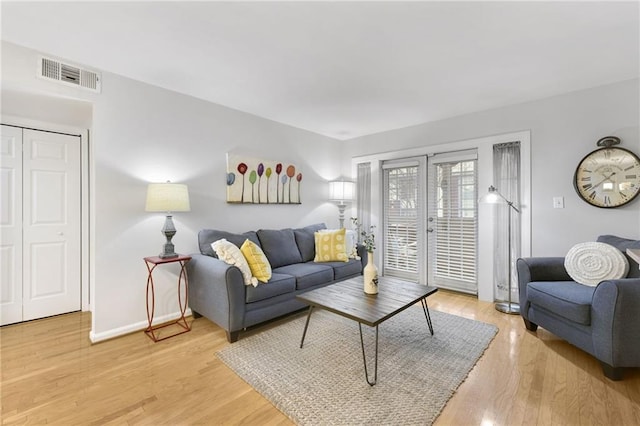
(258, 181)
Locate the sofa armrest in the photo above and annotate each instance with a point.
(217, 291)
(616, 327)
(532, 269)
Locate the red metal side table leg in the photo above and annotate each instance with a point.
(150, 312)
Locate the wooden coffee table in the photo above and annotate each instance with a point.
(348, 299)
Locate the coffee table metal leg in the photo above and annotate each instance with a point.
(364, 358)
(306, 325)
(426, 314)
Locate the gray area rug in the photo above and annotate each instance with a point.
(324, 383)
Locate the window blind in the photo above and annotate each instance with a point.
(401, 204)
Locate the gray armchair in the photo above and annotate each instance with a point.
(603, 320)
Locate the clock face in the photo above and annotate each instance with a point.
(608, 177)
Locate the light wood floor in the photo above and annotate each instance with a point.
(52, 374)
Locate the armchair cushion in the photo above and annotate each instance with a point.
(566, 299)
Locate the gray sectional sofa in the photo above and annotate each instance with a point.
(603, 320)
(217, 290)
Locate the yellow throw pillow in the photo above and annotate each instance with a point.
(258, 262)
(331, 246)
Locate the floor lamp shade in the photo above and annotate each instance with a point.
(168, 197)
(342, 192)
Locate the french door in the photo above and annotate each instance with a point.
(430, 220)
(403, 218)
(40, 224)
(452, 221)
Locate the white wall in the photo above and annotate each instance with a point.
(563, 130)
(140, 134)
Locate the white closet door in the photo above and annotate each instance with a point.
(11, 225)
(51, 224)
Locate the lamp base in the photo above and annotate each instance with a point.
(508, 308)
(168, 230)
(168, 255)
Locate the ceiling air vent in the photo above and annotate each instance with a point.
(69, 74)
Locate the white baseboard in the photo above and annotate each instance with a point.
(131, 328)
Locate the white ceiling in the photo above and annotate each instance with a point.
(344, 69)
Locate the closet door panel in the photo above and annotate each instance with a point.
(52, 220)
(10, 225)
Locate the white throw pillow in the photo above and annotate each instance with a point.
(232, 255)
(590, 263)
(351, 242)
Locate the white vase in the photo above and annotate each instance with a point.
(370, 273)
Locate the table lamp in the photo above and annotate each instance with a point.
(167, 197)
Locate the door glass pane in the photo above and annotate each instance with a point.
(401, 220)
(453, 225)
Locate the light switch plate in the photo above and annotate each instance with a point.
(558, 202)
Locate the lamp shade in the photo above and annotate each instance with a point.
(167, 197)
(341, 190)
(491, 197)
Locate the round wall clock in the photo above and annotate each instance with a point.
(608, 177)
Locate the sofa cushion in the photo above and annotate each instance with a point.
(279, 246)
(623, 244)
(308, 274)
(342, 270)
(258, 262)
(566, 299)
(208, 236)
(306, 241)
(277, 285)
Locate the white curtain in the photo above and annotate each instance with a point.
(506, 178)
(363, 205)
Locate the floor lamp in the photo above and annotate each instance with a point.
(495, 197)
(342, 192)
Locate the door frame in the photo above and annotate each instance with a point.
(86, 230)
(484, 146)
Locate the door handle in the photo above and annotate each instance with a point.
(429, 229)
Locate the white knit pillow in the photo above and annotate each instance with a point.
(232, 255)
(590, 263)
